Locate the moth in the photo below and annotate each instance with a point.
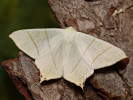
(66, 53)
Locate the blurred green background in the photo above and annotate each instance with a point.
(16, 15)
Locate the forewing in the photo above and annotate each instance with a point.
(76, 69)
(34, 42)
(99, 53)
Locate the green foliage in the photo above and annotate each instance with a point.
(16, 15)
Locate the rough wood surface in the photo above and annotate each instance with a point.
(110, 20)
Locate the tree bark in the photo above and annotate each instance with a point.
(109, 20)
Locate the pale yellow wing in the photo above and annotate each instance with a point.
(34, 42)
(76, 68)
(99, 54)
(51, 64)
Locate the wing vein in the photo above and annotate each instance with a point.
(100, 54)
(83, 54)
(34, 43)
(50, 49)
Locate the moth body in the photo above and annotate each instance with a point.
(69, 34)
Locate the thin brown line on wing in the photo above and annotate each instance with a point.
(83, 54)
(50, 49)
(34, 43)
(100, 54)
